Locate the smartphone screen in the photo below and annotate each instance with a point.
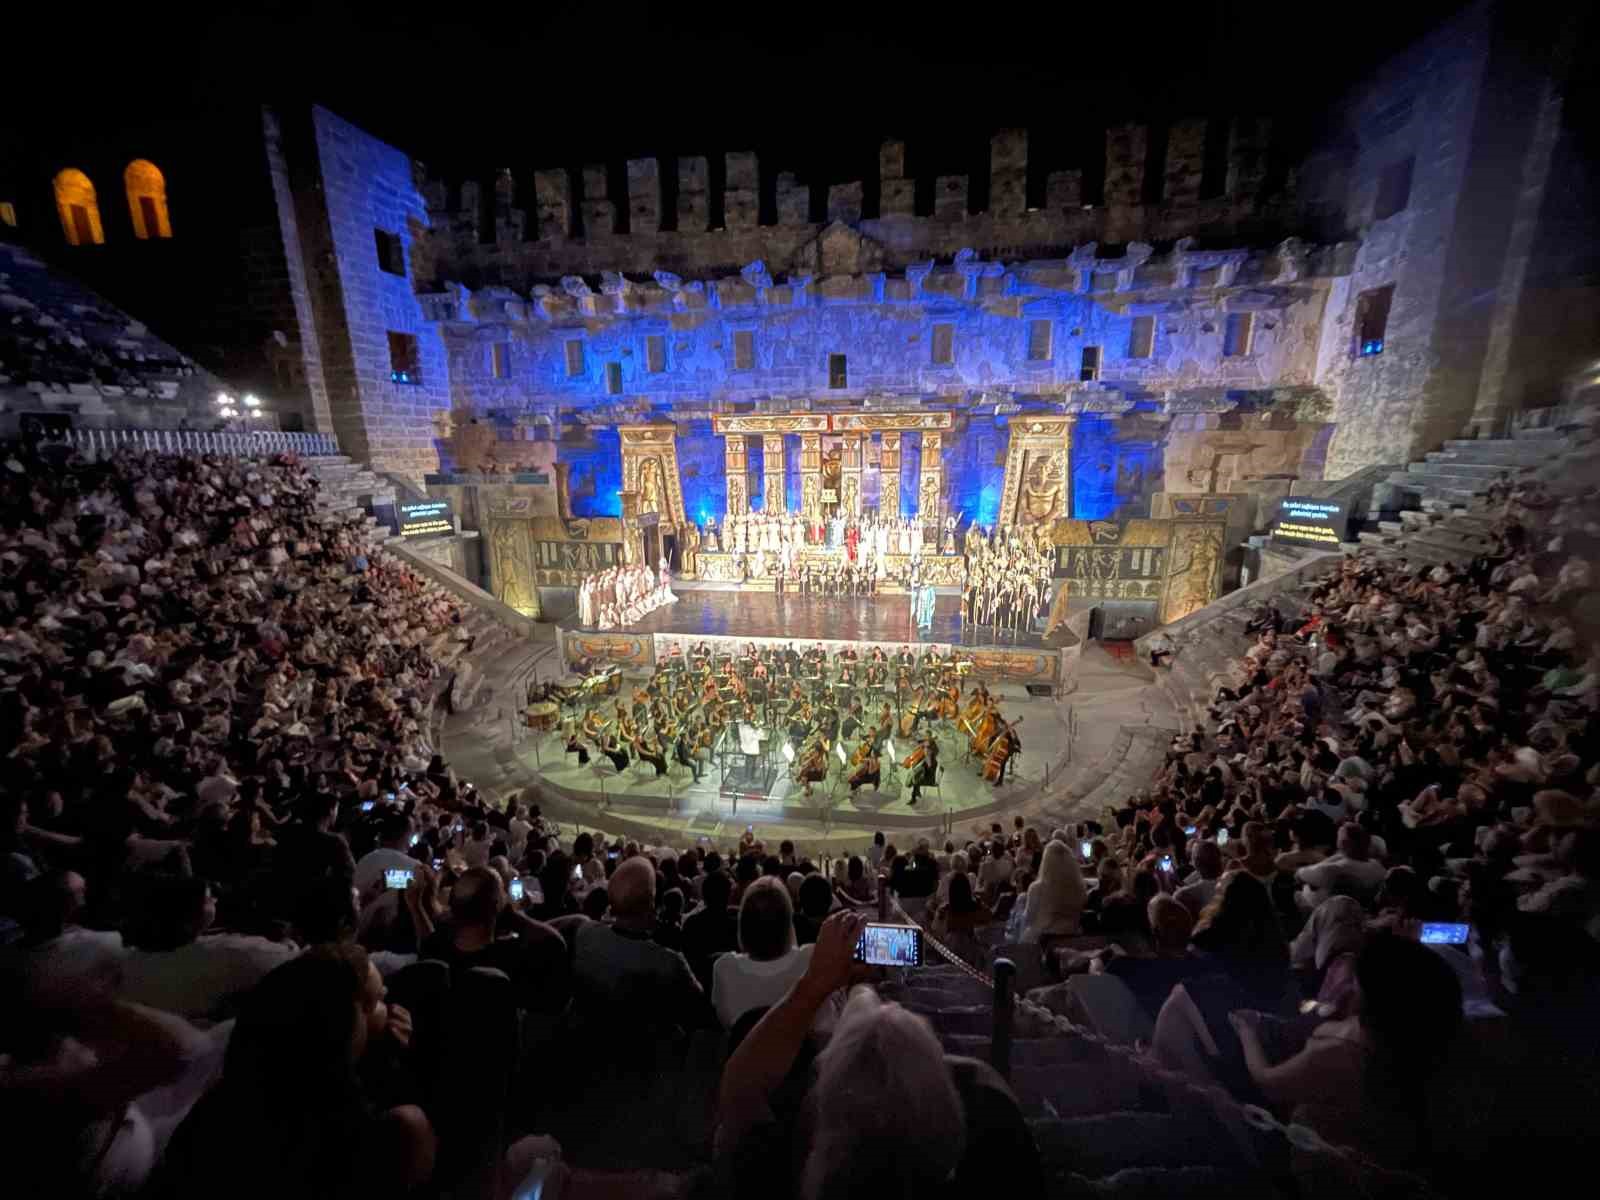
(516, 889)
(1444, 933)
(397, 879)
(1086, 849)
(577, 874)
(366, 805)
(415, 838)
(890, 946)
(1166, 862)
(438, 864)
(1222, 837)
(1188, 831)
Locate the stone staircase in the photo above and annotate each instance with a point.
(347, 487)
(1103, 1126)
(1465, 468)
(1083, 794)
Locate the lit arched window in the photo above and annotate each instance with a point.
(80, 214)
(147, 199)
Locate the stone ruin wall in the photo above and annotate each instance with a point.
(533, 242)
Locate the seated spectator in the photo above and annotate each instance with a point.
(1350, 872)
(484, 930)
(812, 908)
(54, 941)
(393, 852)
(1323, 954)
(1055, 900)
(1125, 914)
(887, 1113)
(768, 961)
(1197, 891)
(996, 872)
(1243, 963)
(860, 887)
(621, 979)
(1359, 1080)
(917, 875)
(669, 920)
(74, 1065)
(174, 964)
(289, 1116)
(712, 929)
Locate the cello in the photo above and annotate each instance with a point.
(983, 733)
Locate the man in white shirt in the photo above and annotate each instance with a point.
(218, 786)
(171, 963)
(1350, 872)
(997, 868)
(768, 962)
(391, 854)
(1202, 885)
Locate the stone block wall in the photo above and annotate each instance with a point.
(368, 186)
(1007, 227)
(1422, 106)
(884, 325)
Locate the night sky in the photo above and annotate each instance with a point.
(469, 88)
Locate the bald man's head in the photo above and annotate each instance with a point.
(632, 889)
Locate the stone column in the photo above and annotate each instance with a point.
(811, 475)
(632, 536)
(775, 469)
(931, 485)
(733, 470)
(889, 476)
(850, 475)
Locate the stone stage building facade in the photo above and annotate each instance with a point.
(1207, 317)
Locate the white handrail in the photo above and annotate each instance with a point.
(232, 443)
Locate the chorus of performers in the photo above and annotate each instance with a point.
(622, 595)
(847, 709)
(1008, 577)
(865, 537)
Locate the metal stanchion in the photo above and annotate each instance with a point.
(1005, 974)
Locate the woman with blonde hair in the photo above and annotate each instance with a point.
(1056, 898)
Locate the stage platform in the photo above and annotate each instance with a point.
(962, 795)
(728, 620)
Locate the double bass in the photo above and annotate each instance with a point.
(1005, 744)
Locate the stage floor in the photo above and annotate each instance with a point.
(860, 619)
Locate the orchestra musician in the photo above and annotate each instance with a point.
(575, 746)
(1005, 745)
(683, 751)
(594, 725)
(626, 730)
(884, 729)
(615, 751)
(923, 763)
(648, 749)
(866, 767)
(811, 764)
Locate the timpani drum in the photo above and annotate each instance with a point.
(542, 716)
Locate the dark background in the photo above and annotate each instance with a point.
(469, 88)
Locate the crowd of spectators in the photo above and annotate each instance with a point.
(254, 925)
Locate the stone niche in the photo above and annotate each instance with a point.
(484, 447)
(1203, 455)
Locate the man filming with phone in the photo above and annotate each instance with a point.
(485, 930)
